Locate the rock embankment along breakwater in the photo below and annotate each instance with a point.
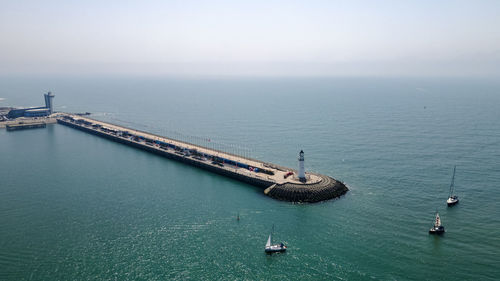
(278, 182)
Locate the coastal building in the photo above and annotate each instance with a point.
(35, 111)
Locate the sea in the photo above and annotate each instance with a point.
(74, 206)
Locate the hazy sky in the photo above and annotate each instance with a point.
(258, 37)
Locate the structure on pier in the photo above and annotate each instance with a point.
(302, 172)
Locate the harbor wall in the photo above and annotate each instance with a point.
(328, 188)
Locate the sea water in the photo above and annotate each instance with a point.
(77, 207)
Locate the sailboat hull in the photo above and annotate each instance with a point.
(275, 249)
(436, 230)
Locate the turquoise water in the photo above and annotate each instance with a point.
(74, 206)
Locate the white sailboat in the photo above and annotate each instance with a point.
(437, 228)
(452, 199)
(274, 248)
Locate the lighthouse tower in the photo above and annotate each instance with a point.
(302, 172)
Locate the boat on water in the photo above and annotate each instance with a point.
(437, 228)
(452, 199)
(274, 248)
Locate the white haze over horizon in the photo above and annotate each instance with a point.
(251, 38)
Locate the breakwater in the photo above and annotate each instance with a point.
(278, 182)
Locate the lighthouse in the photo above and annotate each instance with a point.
(302, 172)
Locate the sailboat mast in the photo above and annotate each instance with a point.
(452, 185)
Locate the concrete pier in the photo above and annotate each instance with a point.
(22, 126)
(27, 121)
(278, 182)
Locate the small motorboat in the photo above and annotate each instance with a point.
(274, 248)
(452, 199)
(437, 228)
